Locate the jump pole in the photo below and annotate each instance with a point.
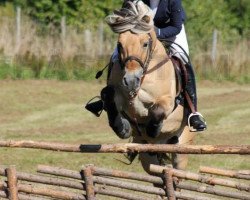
(130, 147)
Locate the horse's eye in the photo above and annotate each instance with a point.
(145, 45)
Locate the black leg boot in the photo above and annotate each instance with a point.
(196, 121)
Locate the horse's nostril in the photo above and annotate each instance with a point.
(138, 79)
(125, 81)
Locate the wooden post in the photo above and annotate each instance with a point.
(101, 40)
(89, 183)
(63, 31)
(12, 183)
(214, 47)
(88, 42)
(169, 183)
(18, 28)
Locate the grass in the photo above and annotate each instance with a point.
(53, 111)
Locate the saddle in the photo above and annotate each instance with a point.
(179, 74)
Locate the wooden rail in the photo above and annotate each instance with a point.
(242, 174)
(131, 147)
(90, 182)
(212, 181)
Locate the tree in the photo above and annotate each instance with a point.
(51, 11)
(240, 10)
(205, 16)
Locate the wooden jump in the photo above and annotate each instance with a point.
(93, 183)
(130, 147)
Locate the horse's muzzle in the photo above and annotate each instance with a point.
(132, 81)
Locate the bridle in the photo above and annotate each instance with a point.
(144, 65)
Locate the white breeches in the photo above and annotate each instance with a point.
(180, 39)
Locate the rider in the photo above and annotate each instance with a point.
(169, 17)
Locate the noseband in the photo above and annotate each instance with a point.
(144, 65)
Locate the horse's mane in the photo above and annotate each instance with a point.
(134, 16)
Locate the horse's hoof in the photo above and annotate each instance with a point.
(122, 128)
(153, 130)
(126, 132)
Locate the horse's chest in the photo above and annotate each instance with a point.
(135, 107)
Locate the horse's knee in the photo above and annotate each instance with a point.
(107, 94)
(121, 127)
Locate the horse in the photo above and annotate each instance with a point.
(140, 97)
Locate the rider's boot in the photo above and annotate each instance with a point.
(196, 121)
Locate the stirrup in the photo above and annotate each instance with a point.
(95, 107)
(197, 129)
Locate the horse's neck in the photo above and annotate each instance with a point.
(161, 63)
(161, 73)
(159, 51)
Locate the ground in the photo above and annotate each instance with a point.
(43, 110)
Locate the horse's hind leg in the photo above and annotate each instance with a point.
(120, 125)
(180, 160)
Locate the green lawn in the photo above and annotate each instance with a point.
(54, 111)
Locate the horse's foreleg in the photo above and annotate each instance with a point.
(120, 125)
(157, 114)
(161, 109)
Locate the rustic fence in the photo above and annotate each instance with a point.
(93, 183)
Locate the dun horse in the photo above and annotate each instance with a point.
(142, 87)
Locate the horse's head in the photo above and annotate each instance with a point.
(135, 52)
(134, 23)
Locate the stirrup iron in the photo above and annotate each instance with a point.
(197, 129)
(95, 107)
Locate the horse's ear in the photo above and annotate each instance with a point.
(146, 18)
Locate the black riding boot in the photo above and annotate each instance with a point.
(196, 121)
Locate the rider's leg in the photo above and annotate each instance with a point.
(196, 121)
(180, 50)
